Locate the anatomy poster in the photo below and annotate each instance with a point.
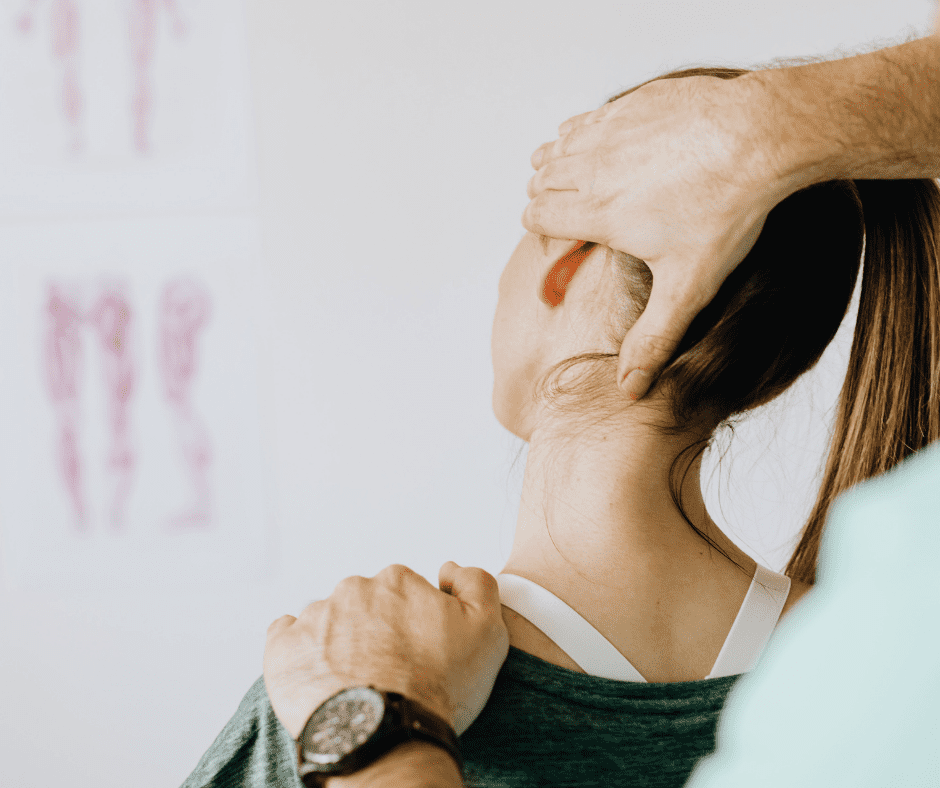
(124, 106)
(130, 442)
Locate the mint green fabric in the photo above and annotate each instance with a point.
(845, 694)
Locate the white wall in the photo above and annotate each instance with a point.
(350, 194)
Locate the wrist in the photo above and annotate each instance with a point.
(871, 116)
(412, 764)
(786, 161)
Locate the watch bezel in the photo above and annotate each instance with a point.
(328, 762)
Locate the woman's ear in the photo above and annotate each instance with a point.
(562, 272)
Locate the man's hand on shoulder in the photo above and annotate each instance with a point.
(442, 647)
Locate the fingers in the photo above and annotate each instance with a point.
(547, 152)
(637, 383)
(537, 157)
(445, 577)
(397, 575)
(564, 214)
(586, 135)
(279, 624)
(654, 337)
(584, 119)
(471, 585)
(569, 173)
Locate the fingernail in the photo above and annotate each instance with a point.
(564, 127)
(636, 383)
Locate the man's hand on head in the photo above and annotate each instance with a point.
(680, 173)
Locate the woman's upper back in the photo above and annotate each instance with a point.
(679, 642)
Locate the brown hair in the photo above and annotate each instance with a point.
(777, 312)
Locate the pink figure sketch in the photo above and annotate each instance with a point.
(184, 311)
(142, 27)
(64, 368)
(111, 318)
(65, 50)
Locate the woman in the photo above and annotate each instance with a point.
(608, 541)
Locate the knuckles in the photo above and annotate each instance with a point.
(278, 622)
(396, 575)
(481, 576)
(531, 188)
(349, 585)
(652, 345)
(531, 219)
(396, 570)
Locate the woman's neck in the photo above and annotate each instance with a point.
(600, 511)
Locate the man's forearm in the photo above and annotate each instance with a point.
(415, 764)
(872, 116)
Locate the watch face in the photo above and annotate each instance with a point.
(342, 724)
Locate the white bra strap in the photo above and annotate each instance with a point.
(592, 652)
(752, 629)
(754, 624)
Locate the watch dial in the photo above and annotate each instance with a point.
(342, 724)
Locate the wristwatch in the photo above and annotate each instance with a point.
(358, 725)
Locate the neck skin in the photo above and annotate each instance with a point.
(597, 525)
(609, 532)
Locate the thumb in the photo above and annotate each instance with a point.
(278, 624)
(654, 337)
(471, 585)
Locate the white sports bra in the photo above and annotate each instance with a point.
(596, 655)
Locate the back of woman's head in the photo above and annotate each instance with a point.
(777, 312)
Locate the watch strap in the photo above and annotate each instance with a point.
(424, 725)
(404, 720)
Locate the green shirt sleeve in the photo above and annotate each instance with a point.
(542, 726)
(253, 749)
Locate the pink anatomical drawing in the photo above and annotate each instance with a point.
(183, 314)
(183, 311)
(143, 17)
(64, 367)
(111, 319)
(142, 32)
(65, 50)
